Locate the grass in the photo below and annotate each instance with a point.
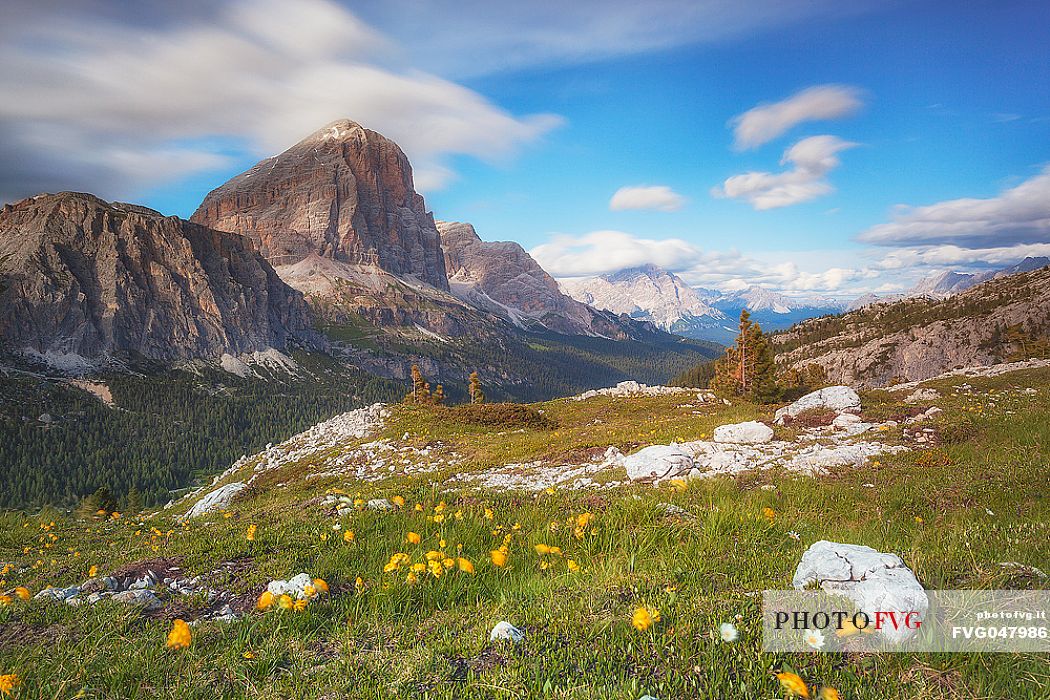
(430, 640)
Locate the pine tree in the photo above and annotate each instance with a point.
(747, 370)
(133, 501)
(475, 391)
(420, 387)
(439, 395)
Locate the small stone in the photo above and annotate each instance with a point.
(504, 631)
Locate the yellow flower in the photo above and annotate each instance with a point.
(849, 629)
(93, 571)
(419, 508)
(465, 565)
(309, 591)
(448, 562)
(321, 585)
(285, 602)
(348, 536)
(435, 568)
(115, 516)
(489, 515)
(359, 583)
(265, 601)
(419, 567)
(542, 549)
(5, 600)
(301, 604)
(919, 520)
(23, 593)
(584, 519)
(413, 538)
(439, 518)
(573, 566)
(398, 501)
(793, 684)
(249, 655)
(643, 618)
(324, 536)
(250, 535)
(8, 682)
(499, 557)
(769, 513)
(412, 579)
(828, 693)
(180, 636)
(434, 556)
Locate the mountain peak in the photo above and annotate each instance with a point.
(345, 193)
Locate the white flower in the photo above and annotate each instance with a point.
(728, 632)
(794, 535)
(815, 639)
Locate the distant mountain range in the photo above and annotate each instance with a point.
(653, 294)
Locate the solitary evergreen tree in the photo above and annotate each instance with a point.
(420, 387)
(475, 391)
(439, 395)
(747, 370)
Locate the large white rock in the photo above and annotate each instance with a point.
(873, 580)
(750, 433)
(658, 462)
(840, 399)
(216, 500)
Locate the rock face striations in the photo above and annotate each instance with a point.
(82, 276)
(502, 278)
(344, 193)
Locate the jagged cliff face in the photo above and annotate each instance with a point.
(83, 276)
(344, 193)
(501, 277)
(916, 339)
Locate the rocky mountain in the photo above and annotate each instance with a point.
(343, 193)
(84, 278)
(652, 294)
(947, 283)
(503, 278)
(774, 311)
(1004, 318)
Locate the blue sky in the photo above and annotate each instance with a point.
(525, 119)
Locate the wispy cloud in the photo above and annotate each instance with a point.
(812, 159)
(659, 197)
(1018, 215)
(766, 122)
(115, 102)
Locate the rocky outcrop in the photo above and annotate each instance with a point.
(80, 277)
(343, 193)
(502, 278)
(840, 399)
(918, 339)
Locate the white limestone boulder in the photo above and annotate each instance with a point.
(216, 500)
(873, 580)
(749, 433)
(840, 399)
(294, 587)
(658, 462)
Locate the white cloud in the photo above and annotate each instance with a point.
(602, 252)
(659, 197)
(82, 88)
(1018, 216)
(791, 272)
(766, 122)
(480, 37)
(813, 158)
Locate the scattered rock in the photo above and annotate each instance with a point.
(380, 504)
(295, 586)
(1024, 569)
(670, 510)
(658, 462)
(873, 580)
(749, 433)
(147, 599)
(504, 631)
(841, 399)
(922, 396)
(631, 388)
